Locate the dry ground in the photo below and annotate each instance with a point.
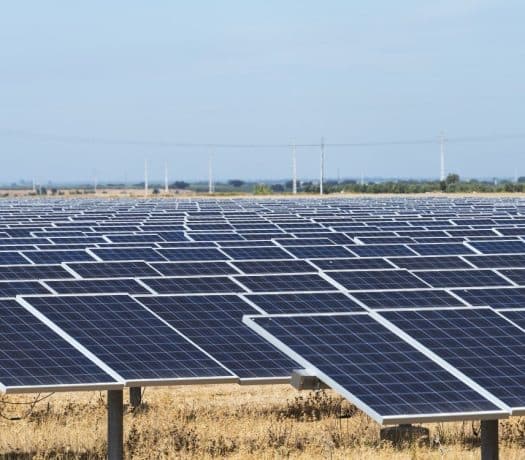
(258, 422)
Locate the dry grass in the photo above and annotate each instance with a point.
(263, 422)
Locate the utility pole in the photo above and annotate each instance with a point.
(95, 182)
(145, 177)
(442, 156)
(321, 178)
(210, 174)
(294, 170)
(166, 187)
(34, 186)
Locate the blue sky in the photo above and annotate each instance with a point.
(259, 72)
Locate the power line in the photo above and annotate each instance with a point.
(67, 139)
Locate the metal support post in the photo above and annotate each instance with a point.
(115, 425)
(489, 440)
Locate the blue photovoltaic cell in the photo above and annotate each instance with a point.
(12, 258)
(134, 238)
(194, 268)
(499, 247)
(33, 272)
(476, 341)
(195, 254)
(516, 275)
(128, 338)
(275, 266)
(306, 241)
(498, 261)
(429, 263)
(319, 252)
(215, 324)
(94, 286)
(462, 278)
(386, 279)
(14, 288)
(112, 269)
(194, 285)
(382, 250)
(516, 316)
(259, 253)
(215, 236)
(373, 365)
(494, 297)
(436, 249)
(320, 302)
(351, 264)
(31, 354)
(57, 257)
(385, 239)
(117, 254)
(407, 299)
(283, 283)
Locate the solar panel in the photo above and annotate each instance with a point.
(14, 288)
(34, 358)
(112, 269)
(462, 278)
(498, 261)
(57, 257)
(407, 299)
(516, 316)
(275, 266)
(129, 339)
(319, 252)
(33, 272)
(215, 324)
(436, 249)
(499, 247)
(12, 258)
(134, 238)
(210, 284)
(98, 286)
(306, 241)
(194, 268)
(283, 283)
(319, 302)
(259, 253)
(380, 279)
(494, 297)
(193, 254)
(515, 275)
(382, 250)
(476, 341)
(117, 254)
(351, 264)
(372, 367)
(429, 263)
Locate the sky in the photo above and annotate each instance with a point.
(95, 88)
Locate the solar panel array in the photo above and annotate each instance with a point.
(394, 302)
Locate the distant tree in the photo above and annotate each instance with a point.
(452, 179)
(180, 184)
(236, 182)
(54, 191)
(262, 189)
(155, 191)
(521, 179)
(278, 188)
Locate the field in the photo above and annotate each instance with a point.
(227, 421)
